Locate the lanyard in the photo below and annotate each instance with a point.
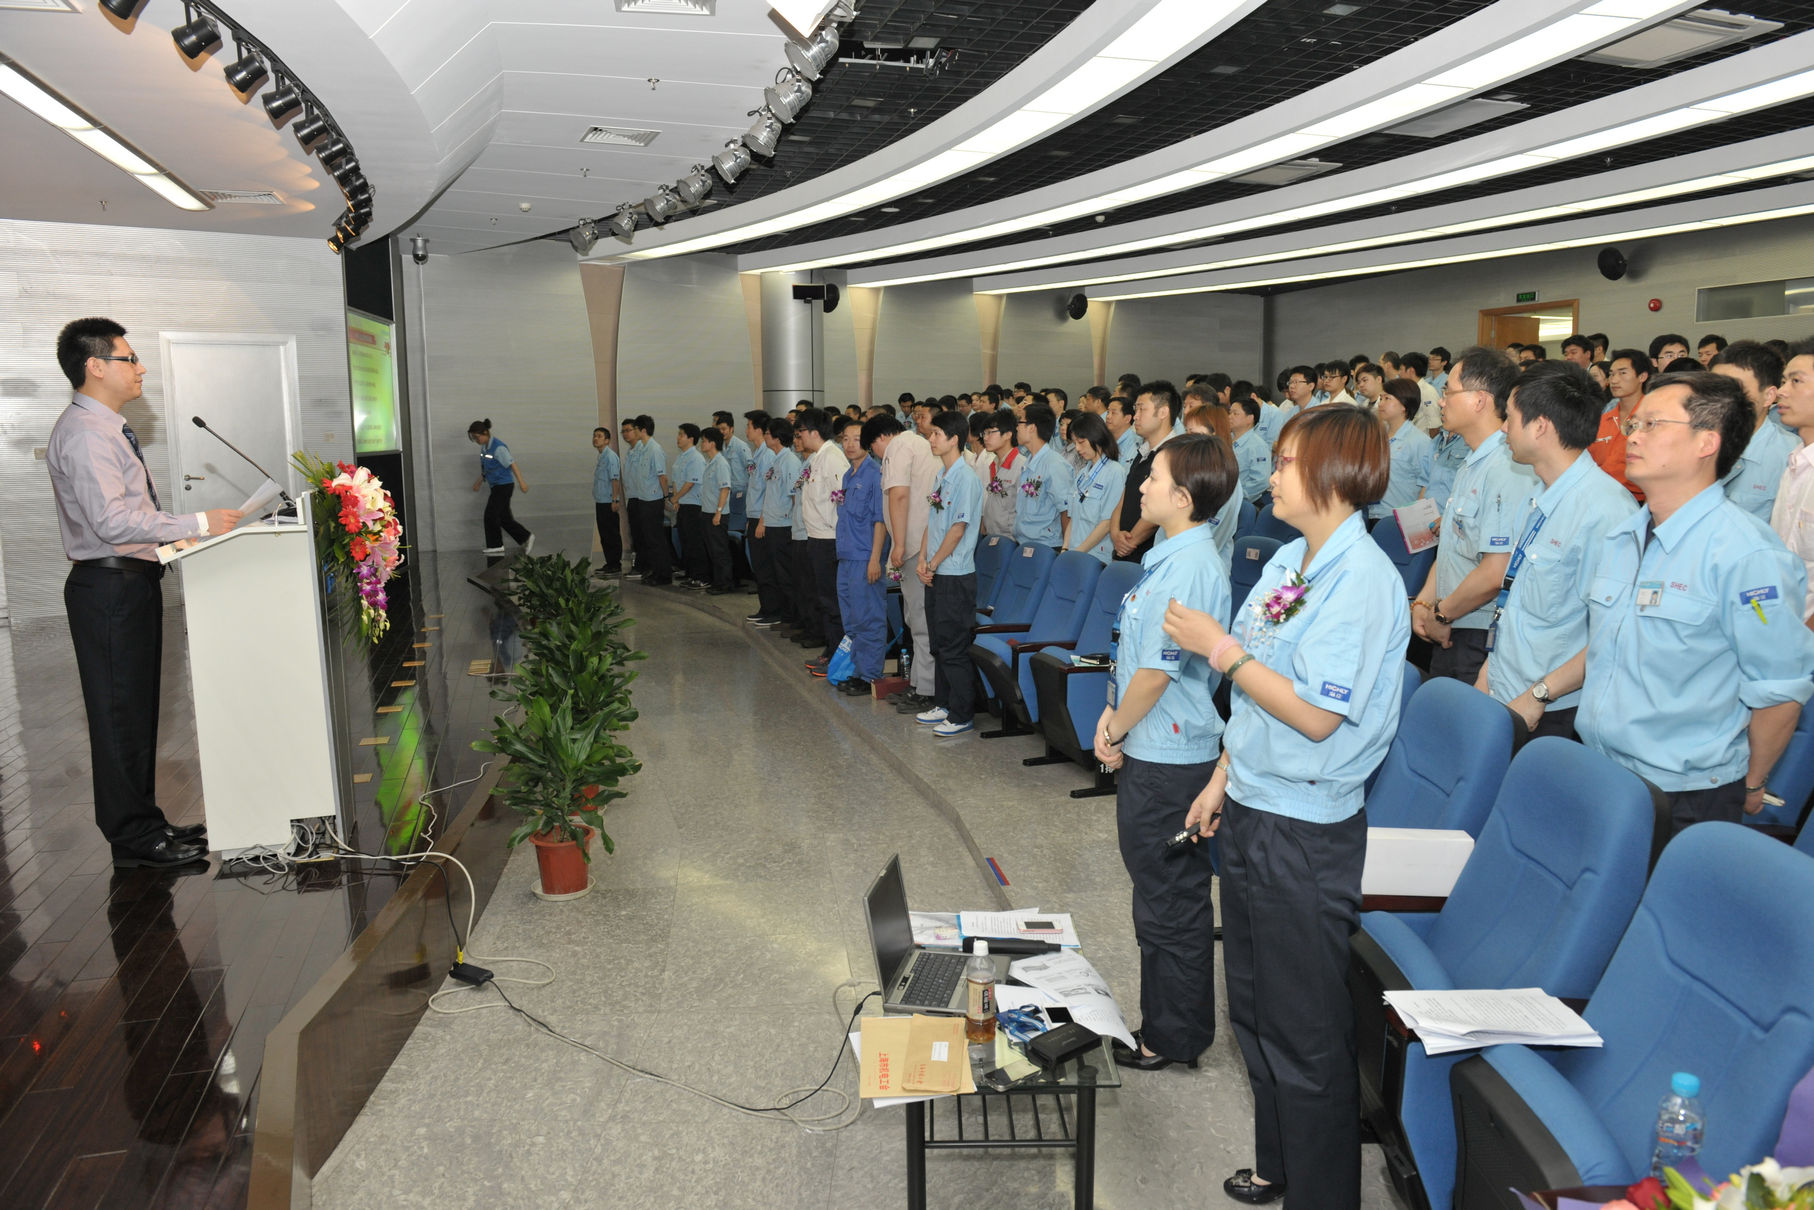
(1083, 489)
(1511, 575)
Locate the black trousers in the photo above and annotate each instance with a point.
(805, 589)
(498, 520)
(1290, 903)
(651, 542)
(824, 555)
(717, 540)
(116, 623)
(950, 615)
(1716, 803)
(1462, 658)
(774, 556)
(1174, 915)
(610, 537)
(689, 523)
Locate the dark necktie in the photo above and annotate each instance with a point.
(132, 439)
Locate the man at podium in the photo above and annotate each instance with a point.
(112, 523)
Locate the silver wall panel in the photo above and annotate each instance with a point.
(1178, 336)
(150, 281)
(683, 345)
(1042, 345)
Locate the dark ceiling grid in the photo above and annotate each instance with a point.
(1559, 87)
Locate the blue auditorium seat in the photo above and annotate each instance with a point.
(1023, 578)
(1268, 526)
(1002, 651)
(1414, 569)
(1071, 697)
(991, 556)
(1445, 765)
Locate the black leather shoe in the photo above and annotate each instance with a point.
(1240, 1186)
(1140, 1061)
(164, 855)
(186, 832)
(854, 688)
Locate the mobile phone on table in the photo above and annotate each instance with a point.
(1040, 928)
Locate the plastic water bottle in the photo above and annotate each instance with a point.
(906, 663)
(979, 1009)
(1680, 1124)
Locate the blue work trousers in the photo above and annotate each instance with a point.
(864, 609)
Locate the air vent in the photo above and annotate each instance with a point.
(241, 197)
(1288, 173)
(686, 8)
(1692, 33)
(1458, 116)
(620, 136)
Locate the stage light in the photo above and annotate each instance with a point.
(248, 72)
(358, 191)
(282, 101)
(623, 223)
(123, 9)
(693, 187)
(732, 162)
(765, 135)
(333, 150)
(788, 95)
(310, 129)
(812, 59)
(582, 236)
(662, 205)
(346, 171)
(195, 35)
(335, 243)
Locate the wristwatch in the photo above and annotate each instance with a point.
(1540, 691)
(1436, 612)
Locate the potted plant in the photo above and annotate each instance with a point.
(562, 772)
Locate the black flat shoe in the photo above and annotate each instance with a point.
(1140, 1061)
(164, 855)
(187, 832)
(1241, 1187)
(854, 688)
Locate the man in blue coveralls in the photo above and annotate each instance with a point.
(862, 593)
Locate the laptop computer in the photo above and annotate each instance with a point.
(914, 979)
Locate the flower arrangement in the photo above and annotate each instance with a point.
(769, 473)
(998, 487)
(358, 532)
(1030, 487)
(806, 477)
(1765, 1185)
(894, 575)
(837, 496)
(937, 501)
(1283, 603)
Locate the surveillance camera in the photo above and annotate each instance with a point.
(418, 249)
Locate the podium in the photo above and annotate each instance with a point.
(259, 676)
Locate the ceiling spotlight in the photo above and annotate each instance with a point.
(346, 170)
(693, 187)
(334, 149)
(765, 135)
(582, 236)
(812, 59)
(662, 205)
(310, 129)
(121, 8)
(282, 101)
(357, 191)
(732, 162)
(335, 243)
(195, 35)
(623, 223)
(843, 12)
(344, 228)
(788, 95)
(248, 73)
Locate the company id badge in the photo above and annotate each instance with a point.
(1650, 593)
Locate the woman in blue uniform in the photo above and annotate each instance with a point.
(498, 469)
(1162, 733)
(1315, 661)
(1097, 486)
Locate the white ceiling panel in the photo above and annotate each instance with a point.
(424, 34)
(629, 101)
(594, 50)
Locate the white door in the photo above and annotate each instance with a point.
(245, 386)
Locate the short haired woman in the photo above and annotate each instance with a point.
(1162, 733)
(1315, 662)
(1096, 491)
(499, 469)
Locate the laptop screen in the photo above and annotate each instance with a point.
(890, 931)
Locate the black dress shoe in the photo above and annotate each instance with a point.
(164, 855)
(186, 832)
(854, 687)
(1241, 1187)
(1140, 1061)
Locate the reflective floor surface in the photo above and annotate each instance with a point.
(134, 1004)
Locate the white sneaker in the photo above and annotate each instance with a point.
(947, 729)
(492, 550)
(928, 717)
(529, 544)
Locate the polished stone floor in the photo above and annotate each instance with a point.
(134, 1004)
(716, 949)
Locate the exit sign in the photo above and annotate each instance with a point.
(1526, 296)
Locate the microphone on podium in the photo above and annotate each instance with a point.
(203, 424)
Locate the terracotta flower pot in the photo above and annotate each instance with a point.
(563, 865)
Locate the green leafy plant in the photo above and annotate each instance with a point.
(562, 771)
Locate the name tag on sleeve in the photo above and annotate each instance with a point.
(1335, 692)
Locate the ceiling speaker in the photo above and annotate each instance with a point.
(831, 297)
(1612, 264)
(1077, 306)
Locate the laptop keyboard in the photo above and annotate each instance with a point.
(935, 977)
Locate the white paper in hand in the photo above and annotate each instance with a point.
(260, 501)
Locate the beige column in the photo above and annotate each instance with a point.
(865, 310)
(603, 287)
(989, 309)
(1101, 316)
(752, 312)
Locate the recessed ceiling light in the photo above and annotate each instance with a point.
(922, 43)
(690, 8)
(1225, 69)
(1455, 117)
(1342, 10)
(891, 209)
(1692, 33)
(1288, 173)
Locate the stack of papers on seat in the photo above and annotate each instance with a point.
(1448, 1021)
